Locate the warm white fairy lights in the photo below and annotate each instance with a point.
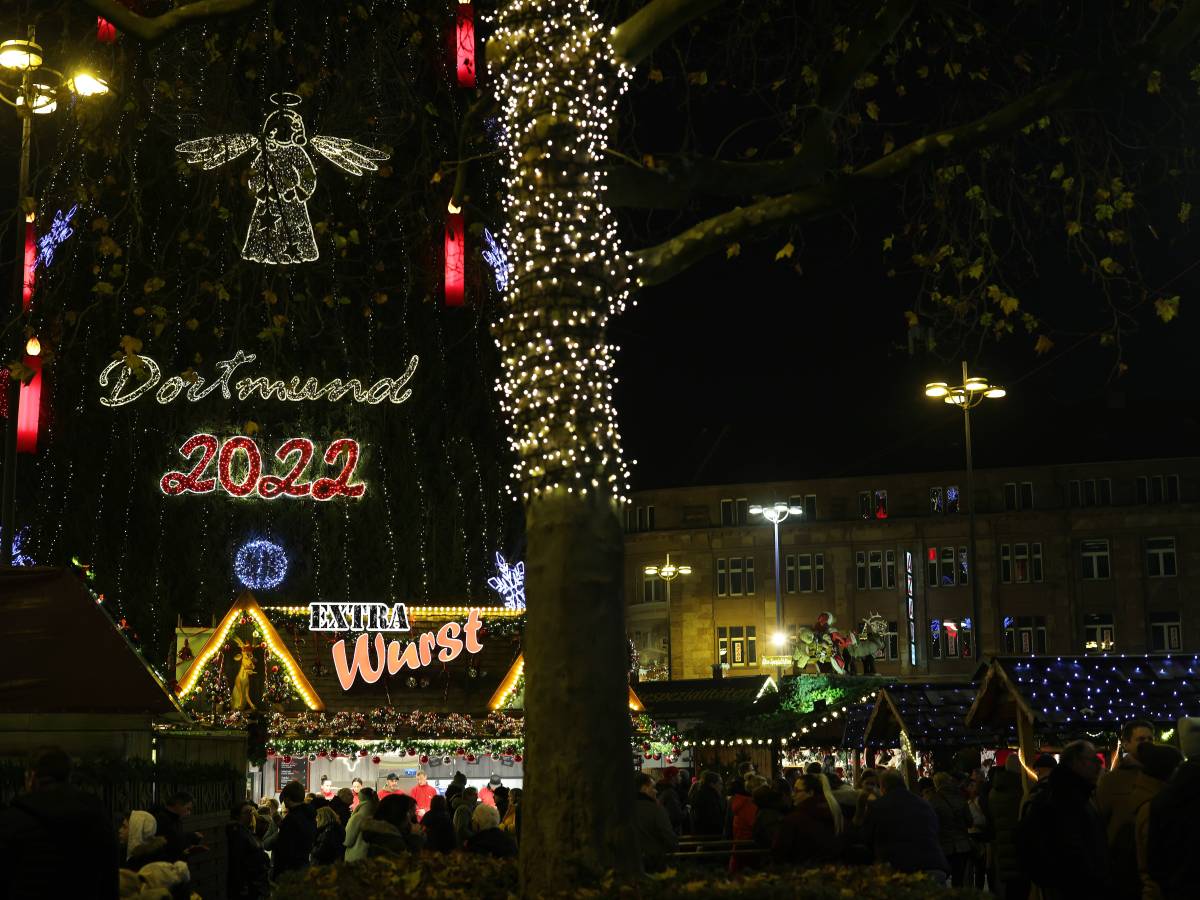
(559, 80)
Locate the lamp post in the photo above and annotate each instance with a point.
(777, 513)
(966, 396)
(36, 94)
(668, 572)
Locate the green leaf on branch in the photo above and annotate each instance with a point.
(1167, 308)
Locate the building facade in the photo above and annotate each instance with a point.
(1090, 558)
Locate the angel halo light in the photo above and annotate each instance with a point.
(282, 178)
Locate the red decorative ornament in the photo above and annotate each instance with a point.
(287, 759)
(362, 752)
(323, 754)
(106, 31)
(517, 758)
(412, 752)
(249, 479)
(470, 757)
(461, 751)
(29, 407)
(645, 747)
(464, 44)
(424, 757)
(29, 275)
(376, 760)
(270, 752)
(455, 256)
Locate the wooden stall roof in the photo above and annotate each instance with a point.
(932, 714)
(500, 697)
(62, 653)
(701, 698)
(1077, 693)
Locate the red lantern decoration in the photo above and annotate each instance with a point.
(517, 758)
(464, 44)
(412, 752)
(333, 754)
(470, 757)
(461, 751)
(424, 757)
(29, 407)
(455, 255)
(270, 752)
(362, 752)
(287, 758)
(376, 760)
(323, 754)
(106, 31)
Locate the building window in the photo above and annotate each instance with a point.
(1091, 492)
(645, 518)
(873, 504)
(889, 570)
(805, 571)
(875, 570)
(818, 572)
(735, 511)
(949, 639)
(944, 500)
(1165, 632)
(931, 567)
(749, 575)
(789, 571)
(654, 589)
(722, 578)
(860, 565)
(735, 576)
(810, 507)
(947, 572)
(1098, 632)
(1025, 635)
(1160, 557)
(1018, 495)
(890, 649)
(963, 565)
(737, 645)
(1094, 555)
(1158, 489)
(1021, 563)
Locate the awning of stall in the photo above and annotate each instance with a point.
(927, 716)
(1078, 696)
(58, 640)
(708, 699)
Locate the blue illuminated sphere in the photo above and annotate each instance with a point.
(260, 565)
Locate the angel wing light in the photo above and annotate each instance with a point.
(282, 179)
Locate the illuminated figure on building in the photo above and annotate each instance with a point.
(282, 179)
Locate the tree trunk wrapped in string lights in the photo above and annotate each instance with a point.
(559, 81)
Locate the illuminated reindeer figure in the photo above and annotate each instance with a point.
(240, 696)
(282, 179)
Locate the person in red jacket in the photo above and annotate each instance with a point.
(423, 793)
(487, 794)
(742, 813)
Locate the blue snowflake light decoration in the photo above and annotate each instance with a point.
(260, 565)
(494, 256)
(509, 583)
(19, 556)
(60, 230)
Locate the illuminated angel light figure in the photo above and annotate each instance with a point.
(509, 583)
(282, 179)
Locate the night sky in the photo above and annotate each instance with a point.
(743, 370)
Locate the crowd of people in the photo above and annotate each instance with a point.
(1083, 830)
(1064, 827)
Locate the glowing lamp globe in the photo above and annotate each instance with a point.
(260, 565)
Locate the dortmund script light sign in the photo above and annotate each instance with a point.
(126, 389)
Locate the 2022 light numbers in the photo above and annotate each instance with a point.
(239, 464)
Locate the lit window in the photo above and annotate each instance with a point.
(963, 565)
(936, 500)
(952, 499)
(881, 511)
(935, 639)
(1098, 633)
(931, 567)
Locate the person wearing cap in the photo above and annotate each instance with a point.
(393, 786)
(487, 793)
(423, 793)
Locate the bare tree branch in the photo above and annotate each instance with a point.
(663, 261)
(635, 38)
(154, 28)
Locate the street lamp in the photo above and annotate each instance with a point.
(36, 88)
(966, 396)
(777, 513)
(668, 572)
